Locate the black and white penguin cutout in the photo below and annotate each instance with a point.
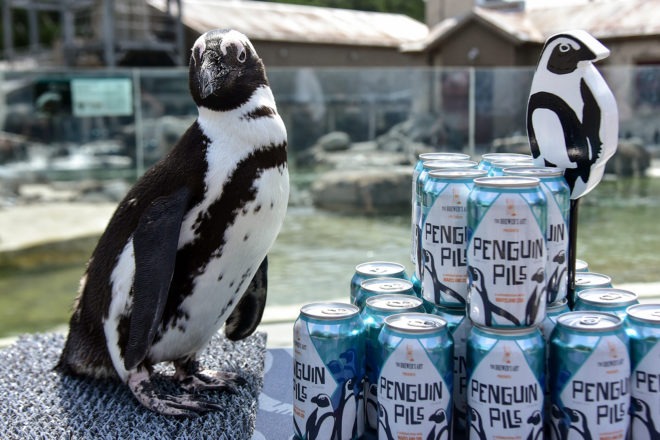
(185, 251)
(572, 120)
(572, 117)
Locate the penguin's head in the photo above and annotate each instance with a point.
(225, 70)
(473, 273)
(564, 52)
(321, 400)
(574, 415)
(535, 418)
(438, 416)
(539, 276)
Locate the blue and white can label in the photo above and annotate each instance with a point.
(328, 372)
(558, 195)
(416, 378)
(643, 322)
(459, 326)
(506, 252)
(590, 375)
(505, 391)
(444, 236)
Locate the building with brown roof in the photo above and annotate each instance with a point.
(512, 34)
(481, 33)
(295, 35)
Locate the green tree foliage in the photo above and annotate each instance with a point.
(412, 8)
(47, 22)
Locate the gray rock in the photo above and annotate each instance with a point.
(369, 191)
(630, 159)
(334, 141)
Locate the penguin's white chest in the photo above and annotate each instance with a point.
(218, 288)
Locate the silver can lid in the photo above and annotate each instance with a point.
(592, 279)
(608, 296)
(443, 155)
(448, 164)
(539, 172)
(467, 173)
(589, 321)
(506, 163)
(379, 268)
(330, 311)
(649, 312)
(507, 182)
(506, 156)
(394, 302)
(417, 323)
(387, 285)
(581, 266)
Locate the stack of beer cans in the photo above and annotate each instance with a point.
(480, 342)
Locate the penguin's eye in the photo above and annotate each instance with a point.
(242, 55)
(564, 47)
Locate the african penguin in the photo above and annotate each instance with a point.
(185, 251)
(572, 118)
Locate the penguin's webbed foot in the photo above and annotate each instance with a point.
(186, 405)
(208, 380)
(192, 378)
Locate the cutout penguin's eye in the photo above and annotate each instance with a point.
(564, 47)
(242, 55)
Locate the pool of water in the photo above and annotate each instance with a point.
(315, 255)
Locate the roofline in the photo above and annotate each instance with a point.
(459, 23)
(517, 35)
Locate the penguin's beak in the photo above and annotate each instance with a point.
(206, 82)
(592, 49)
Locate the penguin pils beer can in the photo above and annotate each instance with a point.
(328, 371)
(507, 252)
(373, 315)
(416, 377)
(590, 377)
(558, 196)
(506, 382)
(444, 235)
(643, 327)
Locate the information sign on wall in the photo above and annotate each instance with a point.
(101, 97)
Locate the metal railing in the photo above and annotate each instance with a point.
(62, 123)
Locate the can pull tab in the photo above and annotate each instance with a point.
(421, 323)
(590, 320)
(396, 303)
(391, 286)
(610, 296)
(334, 311)
(378, 270)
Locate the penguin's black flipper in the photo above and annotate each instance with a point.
(247, 315)
(591, 117)
(155, 244)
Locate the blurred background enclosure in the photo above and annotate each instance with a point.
(79, 139)
(93, 92)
